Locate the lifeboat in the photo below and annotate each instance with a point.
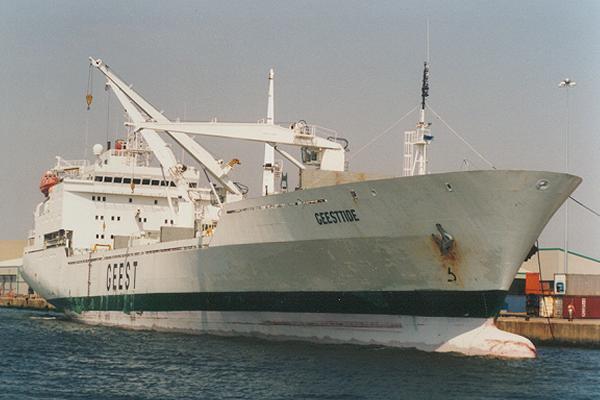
(48, 180)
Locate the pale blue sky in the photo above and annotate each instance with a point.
(347, 65)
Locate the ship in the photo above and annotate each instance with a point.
(136, 238)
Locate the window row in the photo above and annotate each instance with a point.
(103, 198)
(138, 181)
(112, 218)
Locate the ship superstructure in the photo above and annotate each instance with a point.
(133, 239)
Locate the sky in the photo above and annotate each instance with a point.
(351, 66)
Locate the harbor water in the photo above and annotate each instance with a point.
(46, 357)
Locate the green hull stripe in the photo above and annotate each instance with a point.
(475, 304)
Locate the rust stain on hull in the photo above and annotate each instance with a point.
(451, 262)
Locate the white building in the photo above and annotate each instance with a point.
(551, 261)
(11, 281)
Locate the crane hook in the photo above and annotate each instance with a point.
(88, 96)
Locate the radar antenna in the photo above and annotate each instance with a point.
(424, 89)
(416, 142)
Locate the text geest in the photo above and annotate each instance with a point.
(121, 276)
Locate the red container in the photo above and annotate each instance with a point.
(583, 306)
(534, 286)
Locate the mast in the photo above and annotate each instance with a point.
(268, 181)
(416, 142)
(424, 91)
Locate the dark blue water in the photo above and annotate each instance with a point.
(55, 359)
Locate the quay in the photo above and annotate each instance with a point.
(554, 331)
(14, 291)
(32, 302)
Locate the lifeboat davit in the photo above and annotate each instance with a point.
(48, 180)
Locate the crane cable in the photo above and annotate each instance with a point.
(88, 99)
(107, 115)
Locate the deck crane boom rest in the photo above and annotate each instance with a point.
(200, 154)
(331, 154)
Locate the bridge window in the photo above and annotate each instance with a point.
(98, 179)
(145, 181)
(155, 182)
(136, 181)
(126, 180)
(118, 179)
(108, 179)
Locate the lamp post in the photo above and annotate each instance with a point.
(567, 84)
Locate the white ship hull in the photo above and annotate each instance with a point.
(350, 263)
(469, 336)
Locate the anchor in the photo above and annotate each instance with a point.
(445, 241)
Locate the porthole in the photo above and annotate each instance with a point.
(542, 184)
